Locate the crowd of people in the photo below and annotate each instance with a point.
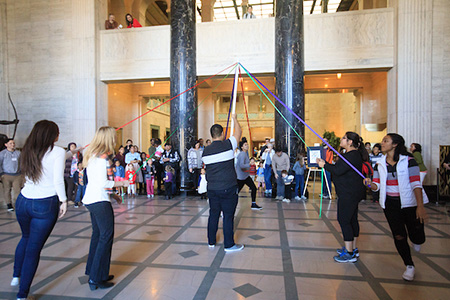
(43, 177)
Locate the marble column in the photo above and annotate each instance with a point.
(289, 70)
(183, 75)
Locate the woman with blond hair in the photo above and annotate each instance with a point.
(97, 201)
(38, 203)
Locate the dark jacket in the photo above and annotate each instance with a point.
(69, 164)
(76, 174)
(348, 183)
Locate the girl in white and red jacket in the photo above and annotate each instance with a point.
(397, 177)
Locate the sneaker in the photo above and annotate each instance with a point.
(416, 247)
(27, 298)
(297, 198)
(279, 198)
(76, 206)
(345, 257)
(355, 251)
(286, 200)
(256, 206)
(303, 198)
(211, 246)
(10, 207)
(236, 247)
(15, 281)
(408, 275)
(148, 196)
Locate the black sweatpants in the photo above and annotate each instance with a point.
(248, 182)
(347, 215)
(403, 223)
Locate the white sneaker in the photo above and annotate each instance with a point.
(416, 247)
(286, 200)
(15, 281)
(27, 298)
(236, 247)
(303, 198)
(211, 246)
(279, 198)
(297, 198)
(408, 275)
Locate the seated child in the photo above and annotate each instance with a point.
(130, 175)
(287, 182)
(202, 184)
(80, 180)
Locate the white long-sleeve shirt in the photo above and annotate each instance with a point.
(51, 182)
(97, 181)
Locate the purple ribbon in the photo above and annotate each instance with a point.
(304, 123)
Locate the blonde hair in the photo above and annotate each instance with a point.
(103, 143)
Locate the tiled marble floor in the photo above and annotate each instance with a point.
(160, 252)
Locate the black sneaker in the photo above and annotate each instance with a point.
(256, 206)
(10, 207)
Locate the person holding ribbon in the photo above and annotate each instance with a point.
(350, 191)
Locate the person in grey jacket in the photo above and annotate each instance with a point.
(194, 158)
(243, 176)
(280, 162)
(10, 173)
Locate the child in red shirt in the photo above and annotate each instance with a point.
(252, 170)
(130, 175)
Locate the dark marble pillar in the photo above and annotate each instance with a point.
(183, 75)
(289, 71)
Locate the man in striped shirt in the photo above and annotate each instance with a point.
(222, 184)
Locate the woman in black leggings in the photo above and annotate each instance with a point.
(242, 168)
(350, 190)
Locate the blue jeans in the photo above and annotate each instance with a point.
(280, 185)
(328, 179)
(299, 185)
(36, 218)
(80, 193)
(99, 259)
(226, 201)
(268, 177)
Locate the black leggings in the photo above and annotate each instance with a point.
(249, 182)
(403, 223)
(347, 215)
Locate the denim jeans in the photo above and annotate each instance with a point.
(80, 193)
(226, 201)
(299, 185)
(99, 259)
(36, 218)
(280, 185)
(328, 179)
(268, 177)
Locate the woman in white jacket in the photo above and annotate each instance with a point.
(267, 157)
(397, 177)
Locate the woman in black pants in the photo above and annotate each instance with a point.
(350, 190)
(97, 201)
(243, 176)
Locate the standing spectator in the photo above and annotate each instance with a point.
(299, 169)
(171, 158)
(222, 184)
(111, 22)
(152, 148)
(416, 150)
(42, 164)
(128, 146)
(120, 156)
(169, 181)
(350, 192)
(249, 14)
(131, 22)
(368, 146)
(252, 170)
(200, 140)
(242, 172)
(73, 157)
(375, 157)
(267, 157)
(208, 142)
(260, 176)
(119, 174)
(158, 164)
(133, 157)
(130, 175)
(150, 172)
(80, 180)
(194, 157)
(10, 173)
(263, 148)
(97, 201)
(397, 178)
(329, 159)
(280, 162)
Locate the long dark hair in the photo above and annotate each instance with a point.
(398, 140)
(126, 19)
(418, 148)
(41, 139)
(358, 143)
